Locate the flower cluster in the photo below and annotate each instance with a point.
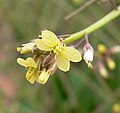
(50, 53)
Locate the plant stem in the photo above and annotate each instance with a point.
(103, 21)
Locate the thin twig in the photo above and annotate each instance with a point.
(113, 4)
(63, 36)
(79, 43)
(83, 7)
(86, 38)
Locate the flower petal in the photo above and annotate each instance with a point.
(26, 48)
(31, 62)
(88, 55)
(42, 46)
(31, 80)
(43, 78)
(30, 75)
(62, 63)
(50, 38)
(22, 62)
(71, 54)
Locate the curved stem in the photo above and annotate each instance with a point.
(103, 21)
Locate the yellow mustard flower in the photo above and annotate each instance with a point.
(64, 54)
(31, 65)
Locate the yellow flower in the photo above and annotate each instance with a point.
(64, 55)
(32, 73)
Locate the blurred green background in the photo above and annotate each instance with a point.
(80, 90)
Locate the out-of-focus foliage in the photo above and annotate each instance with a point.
(80, 90)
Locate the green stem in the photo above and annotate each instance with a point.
(103, 21)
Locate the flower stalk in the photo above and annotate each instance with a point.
(100, 23)
(50, 52)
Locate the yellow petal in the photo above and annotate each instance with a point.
(71, 54)
(19, 49)
(62, 63)
(30, 75)
(31, 62)
(42, 46)
(22, 62)
(43, 78)
(50, 38)
(31, 80)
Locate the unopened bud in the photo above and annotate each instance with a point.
(26, 48)
(38, 59)
(102, 48)
(102, 70)
(48, 60)
(36, 51)
(43, 77)
(115, 49)
(88, 53)
(47, 68)
(45, 74)
(111, 64)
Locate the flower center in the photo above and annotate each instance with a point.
(57, 49)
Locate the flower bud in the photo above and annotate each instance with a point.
(102, 70)
(43, 77)
(48, 60)
(115, 49)
(47, 68)
(88, 53)
(37, 51)
(102, 48)
(45, 73)
(111, 64)
(26, 48)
